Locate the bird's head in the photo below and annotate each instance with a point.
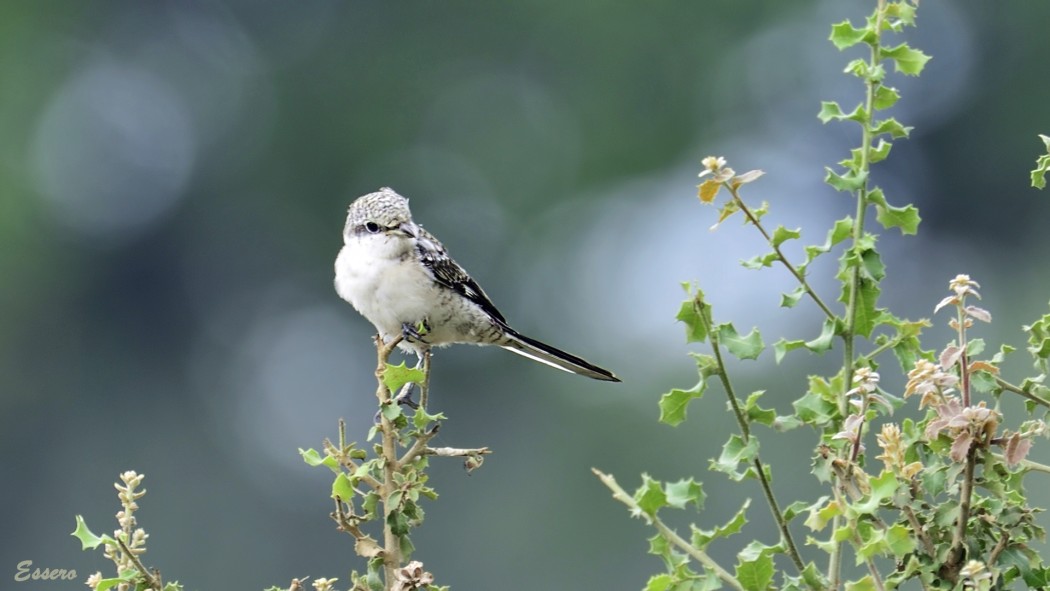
(382, 213)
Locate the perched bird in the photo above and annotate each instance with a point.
(399, 277)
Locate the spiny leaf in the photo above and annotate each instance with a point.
(906, 218)
(396, 376)
(673, 404)
(827, 333)
(748, 346)
(88, 540)
(882, 488)
(838, 232)
(754, 569)
(690, 315)
(1042, 165)
(791, 298)
(757, 414)
(821, 512)
(313, 458)
(890, 126)
(759, 261)
(908, 61)
(885, 97)
(782, 234)
(650, 496)
(342, 489)
(850, 181)
(814, 410)
(702, 537)
(683, 492)
(734, 452)
(783, 346)
(845, 35)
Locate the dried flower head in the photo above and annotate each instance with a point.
(324, 584)
(893, 452)
(931, 382)
(964, 425)
(975, 575)
(412, 577)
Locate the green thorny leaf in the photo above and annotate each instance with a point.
(673, 404)
(695, 313)
(1042, 165)
(906, 218)
(734, 452)
(396, 376)
(748, 346)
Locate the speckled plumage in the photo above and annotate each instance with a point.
(397, 274)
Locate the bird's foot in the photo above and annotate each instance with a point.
(404, 397)
(414, 333)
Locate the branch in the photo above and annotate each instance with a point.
(669, 534)
(152, 578)
(1020, 391)
(733, 190)
(741, 418)
(391, 541)
(452, 452)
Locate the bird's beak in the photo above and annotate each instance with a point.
(410, 229)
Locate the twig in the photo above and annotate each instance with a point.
(1016, 390)
(391, 542)
(452, 452)
(955, 554)
(669, 534)
(418, 446)
(741, 418)
(152, 577)
(927, 544)
(734, 191)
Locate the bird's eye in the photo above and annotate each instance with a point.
(372, 227)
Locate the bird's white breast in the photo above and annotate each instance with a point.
(380, 276)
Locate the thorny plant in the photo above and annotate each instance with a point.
(386, 488)
(948, 509)
(126, 546)
(389, 486)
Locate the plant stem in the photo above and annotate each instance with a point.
(152, 578)
(669, 534)
(780, 255)
(391, 542)
(955, 554)
(1016, 390)
(745, 431)
(916, 527)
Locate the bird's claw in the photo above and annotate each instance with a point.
(415, 332)
(404, 397)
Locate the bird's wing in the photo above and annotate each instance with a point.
(448, 273)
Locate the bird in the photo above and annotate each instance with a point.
(402, 280)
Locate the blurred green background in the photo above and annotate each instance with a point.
(173, 181)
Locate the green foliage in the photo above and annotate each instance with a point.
(1042, 165)
(125, 546)
(947, 506)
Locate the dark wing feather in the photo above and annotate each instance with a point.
(448, 273)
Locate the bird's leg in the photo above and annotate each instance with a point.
(415, 332)
(405, 395)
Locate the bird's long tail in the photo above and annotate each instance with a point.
(544, 353)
